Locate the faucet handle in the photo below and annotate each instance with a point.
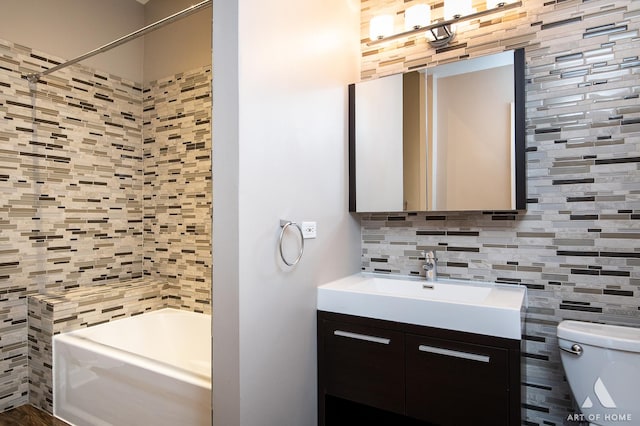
(429, 255)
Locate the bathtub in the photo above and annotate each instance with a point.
(151, 369)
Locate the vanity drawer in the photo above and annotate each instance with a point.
(363, 364)
(454, 383)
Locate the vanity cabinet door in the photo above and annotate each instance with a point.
(363, 364)
(455, 383)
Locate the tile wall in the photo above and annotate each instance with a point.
(60, 312)
(576, 247)
(70, 185)
(75, 208)
(177, 186)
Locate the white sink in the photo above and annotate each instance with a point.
(470, 306)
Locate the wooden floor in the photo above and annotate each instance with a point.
(26, 415)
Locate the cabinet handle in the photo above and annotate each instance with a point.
(457, 354)
(357, 336)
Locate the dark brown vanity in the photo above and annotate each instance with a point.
(379, 372)
(393, 351)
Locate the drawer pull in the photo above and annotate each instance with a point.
(364, 337)
(457, 354)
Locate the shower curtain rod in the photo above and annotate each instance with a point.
(34, 77)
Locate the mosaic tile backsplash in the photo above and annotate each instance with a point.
(79, 153)
(576, 247)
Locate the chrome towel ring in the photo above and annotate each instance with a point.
(284, 224)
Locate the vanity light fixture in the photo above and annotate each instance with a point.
(491, 4)
(457, 8)
(417, 16)
(380, 27)
(439, 33)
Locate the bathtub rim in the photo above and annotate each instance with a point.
(130, 358)
(62, 407)
(77, 339)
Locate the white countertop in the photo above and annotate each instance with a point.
(470, 306)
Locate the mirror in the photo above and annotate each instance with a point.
(446, 138)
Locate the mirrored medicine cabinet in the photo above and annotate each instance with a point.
(445, 138)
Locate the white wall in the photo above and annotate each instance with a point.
(225, 171)
(280, 151)
(182, 45)
(474, 140)
(70, 28)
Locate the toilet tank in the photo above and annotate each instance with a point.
(602, 365)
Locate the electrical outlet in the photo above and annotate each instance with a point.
(309, 229)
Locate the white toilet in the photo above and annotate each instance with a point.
(602, 364)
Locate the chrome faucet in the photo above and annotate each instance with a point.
(430, 265)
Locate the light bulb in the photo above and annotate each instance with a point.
(380, 26)
(457, 8)
(492, 4)
(417, 16)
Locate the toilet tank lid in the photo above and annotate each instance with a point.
(601, 335)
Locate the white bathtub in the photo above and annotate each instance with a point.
(151, 369)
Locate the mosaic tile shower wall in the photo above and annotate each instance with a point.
(75, 203)
(177, 187)
(70, 179)
(576, 247)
